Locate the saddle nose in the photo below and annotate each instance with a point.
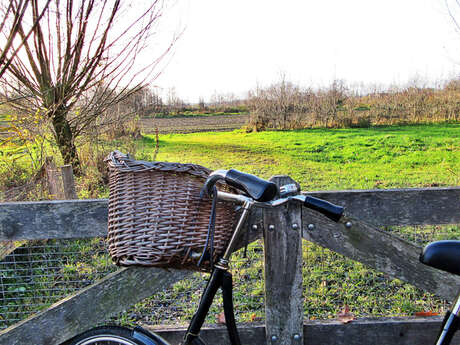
(443, 255)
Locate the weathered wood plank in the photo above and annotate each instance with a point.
(68, 182)
(74, 219)
(54, 178)
(250, 334)
(88, 218)
(53, 219)
(254, 230)
(283, 272)
(395, 331)
(411, 206)
(90, 306)
(380, 250)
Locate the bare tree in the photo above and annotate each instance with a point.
(174, 102)
(81, 59)
(113, 121)
(12, 13)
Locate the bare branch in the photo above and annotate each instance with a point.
(16, 9)
(451, 15)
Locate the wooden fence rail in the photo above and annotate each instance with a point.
(88, 218)
(362, 241)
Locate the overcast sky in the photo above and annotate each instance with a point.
(233, 46)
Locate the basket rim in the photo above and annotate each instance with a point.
(124, 163)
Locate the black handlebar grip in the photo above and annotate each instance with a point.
(330, 210)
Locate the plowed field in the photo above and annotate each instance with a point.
(194, 123)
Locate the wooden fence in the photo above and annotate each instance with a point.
(283, 230)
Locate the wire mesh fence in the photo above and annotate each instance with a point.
(38, 274)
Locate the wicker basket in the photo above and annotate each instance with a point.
(156, 216)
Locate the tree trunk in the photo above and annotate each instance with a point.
(65, 140)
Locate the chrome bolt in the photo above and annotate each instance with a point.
(274, 338)
(348, 225)
(254, 227)
(296, 336)
(295, 226)
(271, 227)
(311, 226)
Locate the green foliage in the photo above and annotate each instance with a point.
(23, 136)
(363, 107)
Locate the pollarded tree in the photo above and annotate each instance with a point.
(83, 57)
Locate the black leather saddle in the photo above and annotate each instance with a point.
(443, 255)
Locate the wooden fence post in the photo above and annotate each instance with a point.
(54, 179)
(68, 182)
(283, 272)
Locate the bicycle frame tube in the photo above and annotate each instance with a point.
(214, 282)
(450, 324)
(217, 275)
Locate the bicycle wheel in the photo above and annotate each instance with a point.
(114, 335)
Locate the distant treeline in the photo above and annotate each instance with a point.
(287, 106)
(147, 103)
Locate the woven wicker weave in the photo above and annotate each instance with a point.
(156, 216)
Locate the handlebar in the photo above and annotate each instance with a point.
(261, 193)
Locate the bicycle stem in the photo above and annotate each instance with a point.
(223, 262)
(248, 204)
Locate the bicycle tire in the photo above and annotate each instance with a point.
(115, 335)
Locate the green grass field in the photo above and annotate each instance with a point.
(324, 159)
(381, 157)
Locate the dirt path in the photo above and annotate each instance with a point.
(195, 124)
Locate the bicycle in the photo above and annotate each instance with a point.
(443, 255)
